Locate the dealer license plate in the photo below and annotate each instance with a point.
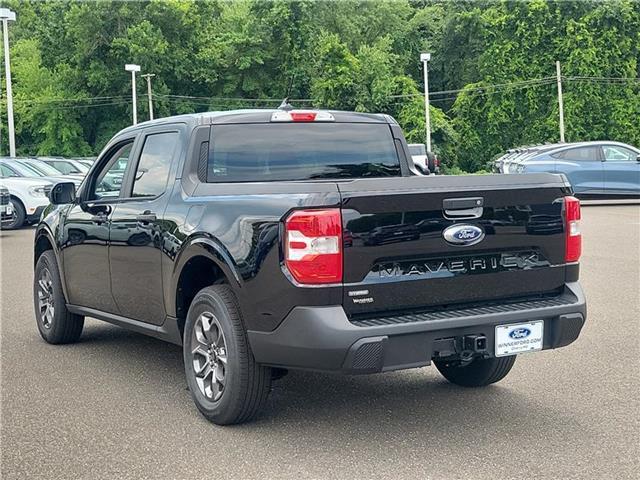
(519, 338)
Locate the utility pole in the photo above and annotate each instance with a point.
(7, 15)
(424, 58)
(130, 67)
(560, 104)
(148, 76)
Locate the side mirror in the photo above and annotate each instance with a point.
(63, 193)
(638, 158)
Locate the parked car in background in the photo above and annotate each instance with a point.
(50, 171)
(66, 166)
(426, 160)
(594, 169)
(86, 161)
(19, 167)
(27, 197)
(6, 211)
(507, 163)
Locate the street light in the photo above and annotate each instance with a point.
(7, 15)
(130, 67)
(148, 76)
(424, 58)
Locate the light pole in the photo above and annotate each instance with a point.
(560, 104)
(424, 58)
(7, 15)
(148, 76)
(130, 67)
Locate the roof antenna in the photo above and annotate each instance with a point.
(285, 105)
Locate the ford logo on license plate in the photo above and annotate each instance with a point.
(463, 235)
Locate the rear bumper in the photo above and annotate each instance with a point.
(323, 338)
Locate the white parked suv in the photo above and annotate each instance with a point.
(28, 197)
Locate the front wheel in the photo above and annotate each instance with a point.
(56, 324)
(478, 373)
(18, 216)
(226, 383)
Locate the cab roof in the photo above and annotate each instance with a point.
(257, 116)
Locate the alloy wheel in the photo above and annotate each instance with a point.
(209, 351)
(11, 223)
(46, 305)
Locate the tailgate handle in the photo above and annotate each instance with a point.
(463, 208)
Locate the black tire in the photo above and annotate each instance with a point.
(245, 384)
(18, 216)
(60, 325)
(478, 373)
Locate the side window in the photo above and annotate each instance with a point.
(153, 168)
(108, 183)
(614, 153)
(584, 154)
(6, 172)
(65, 167)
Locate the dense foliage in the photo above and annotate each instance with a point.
(72, 93)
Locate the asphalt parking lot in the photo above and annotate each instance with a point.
(115, 405)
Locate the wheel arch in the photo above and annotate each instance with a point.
(44, 242)
(201, 262)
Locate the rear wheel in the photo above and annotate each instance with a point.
(226, 383)
(478, 373)
(55, 323)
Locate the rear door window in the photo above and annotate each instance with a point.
(300, 151)
(153, 168)
(582, 154)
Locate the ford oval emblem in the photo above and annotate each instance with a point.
(463, 235)
(518, 333)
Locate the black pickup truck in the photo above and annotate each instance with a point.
(266, 240)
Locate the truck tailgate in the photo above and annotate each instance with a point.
(397, 259)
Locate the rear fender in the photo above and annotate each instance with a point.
(210, 248)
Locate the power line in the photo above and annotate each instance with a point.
(69, 100)
(243, 99)
(612, 79)
(536, 81)
(103, 101)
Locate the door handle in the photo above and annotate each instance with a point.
(146, 217)
(99, 218)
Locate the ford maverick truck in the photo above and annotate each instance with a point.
(267, 240)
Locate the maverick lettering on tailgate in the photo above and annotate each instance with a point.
(449, 266)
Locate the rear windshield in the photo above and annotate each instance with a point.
(301, 151)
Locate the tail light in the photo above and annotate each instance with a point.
(573, 237)
(313, 246)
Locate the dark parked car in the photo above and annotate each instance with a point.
(594, 169)
(264, 240)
